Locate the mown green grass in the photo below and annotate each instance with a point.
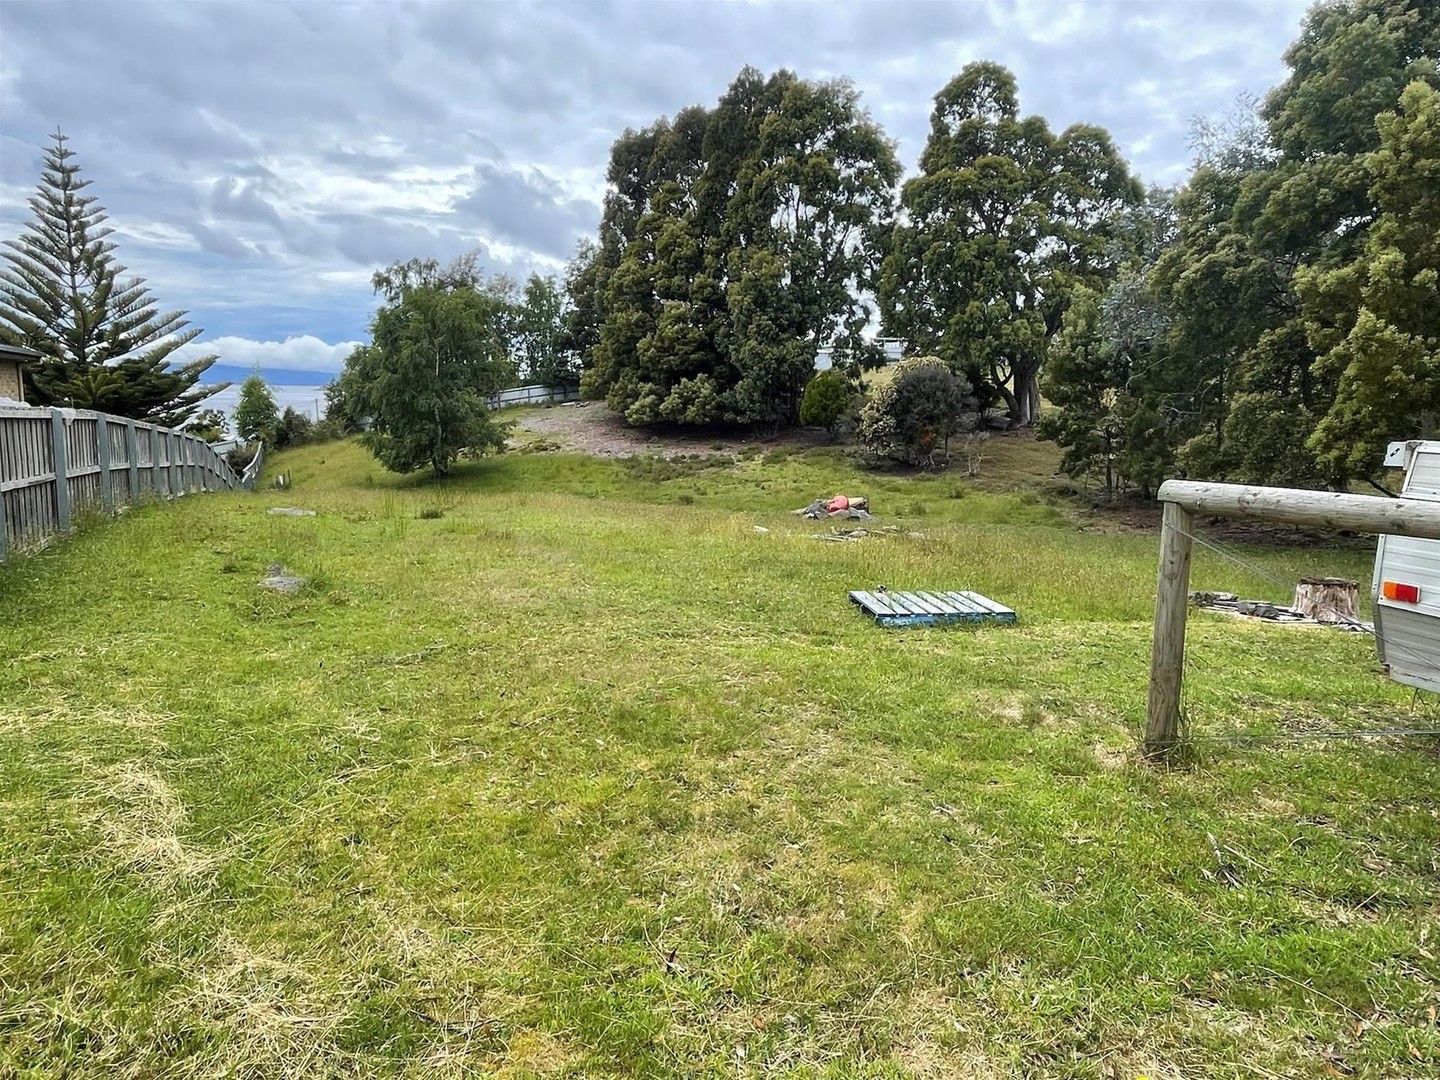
(561, 767)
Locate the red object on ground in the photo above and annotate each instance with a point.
(839, 502)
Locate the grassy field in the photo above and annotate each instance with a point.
(564, 768)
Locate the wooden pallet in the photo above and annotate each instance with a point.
(902, 609)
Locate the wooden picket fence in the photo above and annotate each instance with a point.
(58, 464)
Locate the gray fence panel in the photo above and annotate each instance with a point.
(56, 464)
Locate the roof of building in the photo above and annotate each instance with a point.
(18, 353)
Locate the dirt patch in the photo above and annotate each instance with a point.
(599, 430)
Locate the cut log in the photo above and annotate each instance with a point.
(1327, 599)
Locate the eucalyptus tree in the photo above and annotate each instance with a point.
(736, 241)
(1004, 222)
(1264, 281)
(1376, 320)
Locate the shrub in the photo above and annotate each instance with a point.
(294, 429)
(207, 424)
(328, 430)
(826, 400)
(913, 416)
(240, 456)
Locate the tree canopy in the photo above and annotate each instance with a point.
(105, 343)
(544, 358)
(1293, 312)
(256, 416)
(1375, 321)
(735, 242)
(1002, 225)
(439, 349)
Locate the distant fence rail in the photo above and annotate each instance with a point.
(534, 395)
(56, 464)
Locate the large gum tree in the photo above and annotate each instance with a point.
(1004, 221)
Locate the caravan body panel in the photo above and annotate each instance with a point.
(1407, 635)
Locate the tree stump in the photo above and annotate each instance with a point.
(1327, 599)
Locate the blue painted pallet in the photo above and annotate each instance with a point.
(902, 609)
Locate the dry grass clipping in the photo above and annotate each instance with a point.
(139, 818)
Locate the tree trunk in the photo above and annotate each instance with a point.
(1012, 404)
(1109, 471)
(1327, 599)
(1024, 401)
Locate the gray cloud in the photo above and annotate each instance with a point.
(259, 159)
(527, 208)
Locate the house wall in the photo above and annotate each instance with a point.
(10, 384)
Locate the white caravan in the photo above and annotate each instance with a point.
(1406, 587)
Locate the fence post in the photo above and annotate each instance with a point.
(154, 458)
(4, 535)
(61, 469)
(132, 455)
(1167, 658)
(102, 455)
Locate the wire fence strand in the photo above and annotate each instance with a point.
(1265, 574)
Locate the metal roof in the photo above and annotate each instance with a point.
(18, 354)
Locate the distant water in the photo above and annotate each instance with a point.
(307, 399)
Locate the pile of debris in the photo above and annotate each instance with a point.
(1255, 609)
(837, 535)
(855, 508)
(1231, 604)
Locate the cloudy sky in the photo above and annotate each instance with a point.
(260, 159)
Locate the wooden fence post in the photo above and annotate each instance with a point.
(132, 458)
(1184, 499)
(153, 435)
(4, 533)
(61, 469)
(1167, 658)
(102, 455)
